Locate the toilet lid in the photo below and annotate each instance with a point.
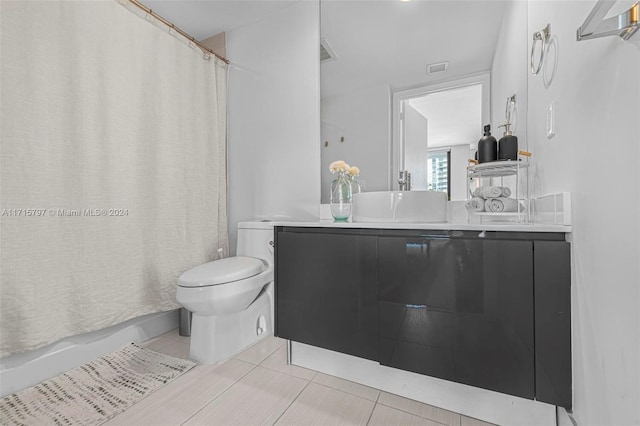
(222, 271)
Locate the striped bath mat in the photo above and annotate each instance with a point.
(95, 392)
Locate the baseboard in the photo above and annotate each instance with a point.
(26, 369)
(470, 401)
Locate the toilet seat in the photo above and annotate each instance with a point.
(222, 271)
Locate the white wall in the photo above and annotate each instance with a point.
(459, 162)
(362, 117)
(595, 155)
(274, 117)
(415, 147)
(509, 72)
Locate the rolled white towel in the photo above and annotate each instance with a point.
(501, 205)
(488, 192)
(476, 204)
(506, 192)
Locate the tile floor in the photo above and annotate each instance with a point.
(257, 387)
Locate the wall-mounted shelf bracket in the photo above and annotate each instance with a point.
(623, 25)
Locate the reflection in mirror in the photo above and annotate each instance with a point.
(373, 50)
(436, 131)
(445, 121)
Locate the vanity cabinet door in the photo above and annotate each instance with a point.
(553, 322)
(459, 309)
(325, 288)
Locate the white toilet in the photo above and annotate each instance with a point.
(232, 298)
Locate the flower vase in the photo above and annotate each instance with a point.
(341, 198)
(356, 188)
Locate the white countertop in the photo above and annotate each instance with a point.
(447, 226)
(553, 213)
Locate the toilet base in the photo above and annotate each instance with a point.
(216, 338)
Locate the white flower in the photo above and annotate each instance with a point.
(353, 171)
(338, 166)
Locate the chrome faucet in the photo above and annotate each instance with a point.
(404, 183)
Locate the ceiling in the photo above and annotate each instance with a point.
(392, 42)
(377, 42)
(205, 18)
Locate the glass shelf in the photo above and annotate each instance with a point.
(497, 168)
(511, 174)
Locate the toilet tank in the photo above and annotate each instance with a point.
(255, 239)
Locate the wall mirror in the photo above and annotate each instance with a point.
(429, 59)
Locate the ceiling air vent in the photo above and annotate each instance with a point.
(326, 52)
(436, 68)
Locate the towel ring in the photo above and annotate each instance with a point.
(542, 36)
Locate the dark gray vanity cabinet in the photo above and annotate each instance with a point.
(326, 289)
(487, 309)
(459, 307)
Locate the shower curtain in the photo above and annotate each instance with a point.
(112, 166)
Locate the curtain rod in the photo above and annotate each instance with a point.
(176, 29)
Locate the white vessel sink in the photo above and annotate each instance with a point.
(400, 206)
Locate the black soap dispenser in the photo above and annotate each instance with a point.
(508, 145)
(487, 146)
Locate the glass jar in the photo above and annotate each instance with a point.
(341, 198)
